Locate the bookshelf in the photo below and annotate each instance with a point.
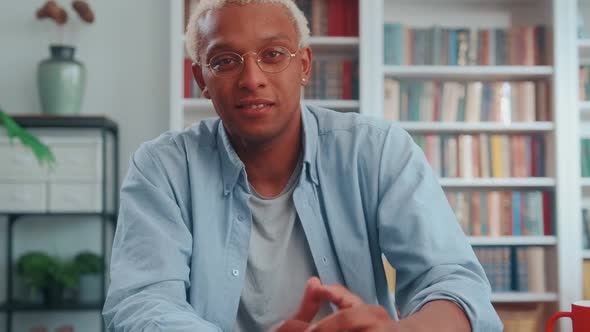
(565, 285)
(564, 278)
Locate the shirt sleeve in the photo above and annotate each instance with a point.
(151, 256)
(421, 238)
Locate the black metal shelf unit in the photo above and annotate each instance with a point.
(106, 128)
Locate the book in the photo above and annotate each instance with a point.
(454, 101)
(462, 46)
(502, 213)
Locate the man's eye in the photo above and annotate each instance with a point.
(274, 54)
(224, 63)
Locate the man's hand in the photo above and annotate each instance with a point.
(309, 307)
(353, 313)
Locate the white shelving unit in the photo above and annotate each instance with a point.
(560, 15)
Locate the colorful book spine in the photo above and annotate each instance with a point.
(484, 155)
(460, 46)
(503, 213)
(449, 101)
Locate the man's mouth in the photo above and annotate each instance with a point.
(253, 106)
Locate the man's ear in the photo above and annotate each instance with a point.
(306, 56)
(198, 74)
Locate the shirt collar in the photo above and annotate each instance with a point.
(232, 166)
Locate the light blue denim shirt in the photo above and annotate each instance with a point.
(366, 189)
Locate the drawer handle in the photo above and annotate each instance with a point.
(20, 196)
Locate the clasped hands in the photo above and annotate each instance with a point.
(352, 315)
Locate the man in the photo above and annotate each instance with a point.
(277, 215)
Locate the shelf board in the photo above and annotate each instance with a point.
(327, 43)
(585, 182)
(531, 182)
(197, 104)
(22, 307)
(523, 297)
(584, 106)
(512, 240)
(586, 254)
(58, 214)
(336, 103)
(584, 50)
(460, 127)
(334, 44)
(468, 72)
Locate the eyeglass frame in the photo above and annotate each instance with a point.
(243, 61)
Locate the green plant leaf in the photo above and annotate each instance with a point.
(40, 150)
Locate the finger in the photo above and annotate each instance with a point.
(310, 304)
(290, 326)
(360, 318)
(339, 295)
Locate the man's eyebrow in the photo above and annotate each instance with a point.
(226, 46)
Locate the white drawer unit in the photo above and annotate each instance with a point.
(72, 197)
(19, 163)
(77, 161)
(20, 197)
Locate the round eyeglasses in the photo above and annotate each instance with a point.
(272, 59)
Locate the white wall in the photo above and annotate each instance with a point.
(126, 56)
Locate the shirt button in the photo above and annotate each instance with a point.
(325, 260)
(235, 272)
(241, 217)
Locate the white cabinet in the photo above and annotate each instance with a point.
(76, 159)
(17, 162)
(72, 185)
(20, 197)
(72, 197)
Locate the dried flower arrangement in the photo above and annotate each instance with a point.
(54, 11)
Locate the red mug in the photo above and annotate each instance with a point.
(580, 316)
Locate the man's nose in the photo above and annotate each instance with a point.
(251, 77)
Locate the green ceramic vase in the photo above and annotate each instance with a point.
(61, 81)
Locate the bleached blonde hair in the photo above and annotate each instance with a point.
(193, 39)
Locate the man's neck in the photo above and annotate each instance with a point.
(270, 165)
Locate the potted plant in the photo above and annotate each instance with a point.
(64, 281)
(35, 268)
(89, 266)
